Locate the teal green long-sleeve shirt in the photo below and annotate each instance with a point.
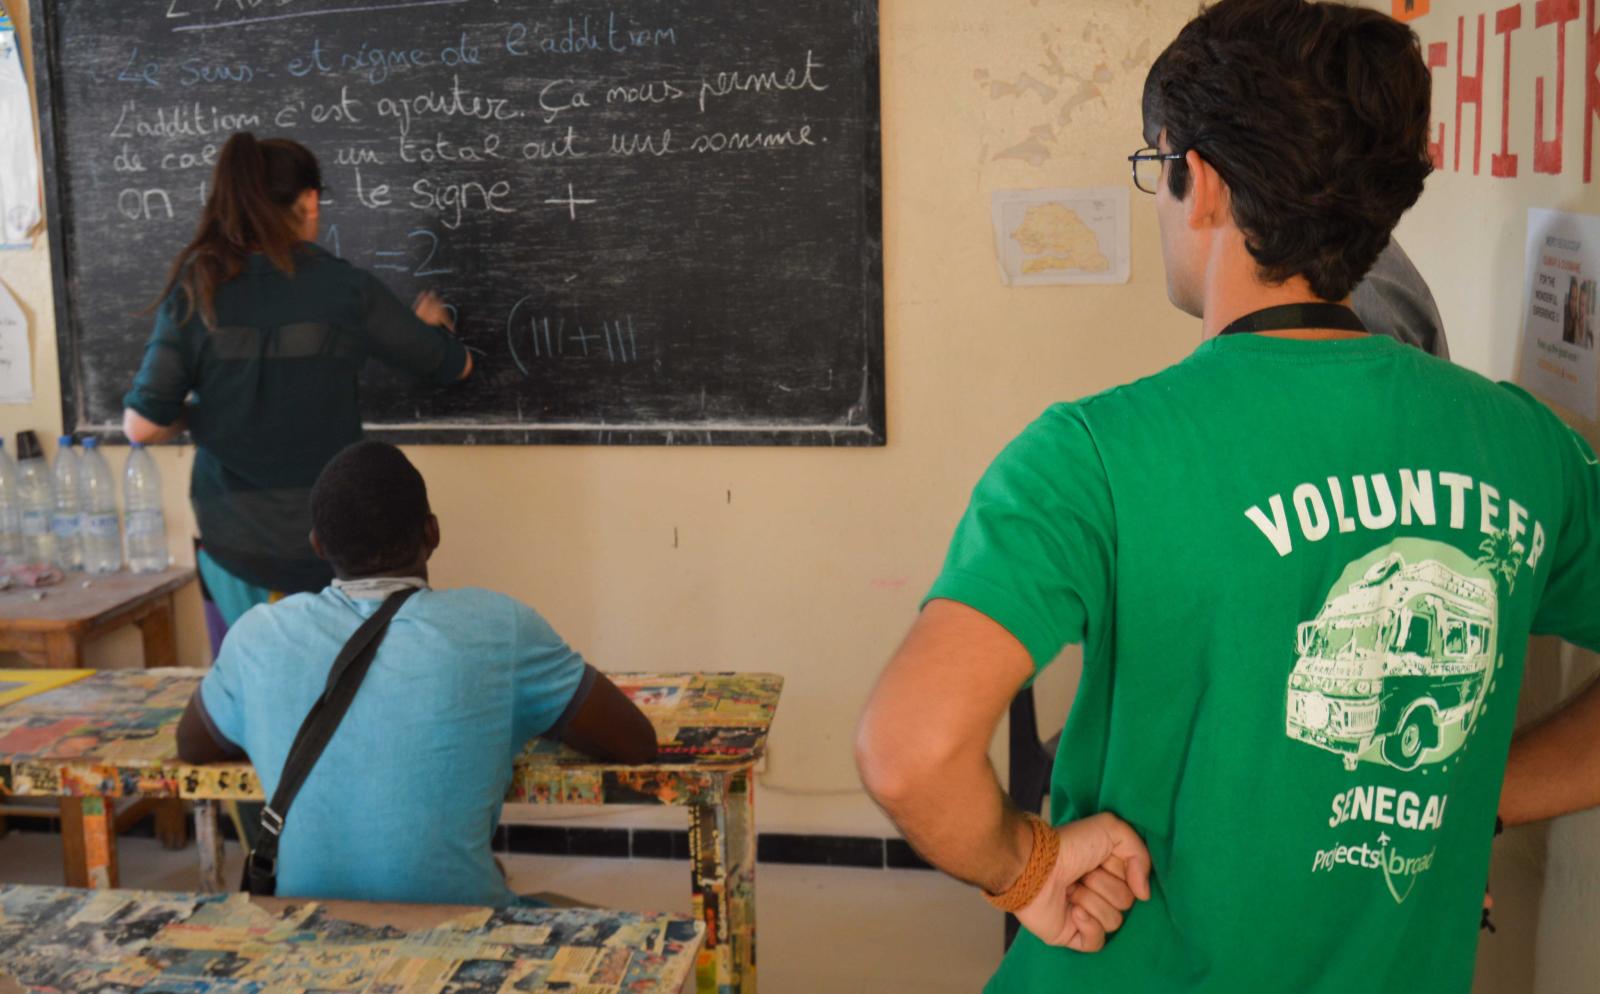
(272, 394)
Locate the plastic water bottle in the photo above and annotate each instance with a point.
(69, 546)
(10, 509)
(97, 496)
(141, 508)
(37, 498)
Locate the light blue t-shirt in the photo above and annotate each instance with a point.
(404, 801)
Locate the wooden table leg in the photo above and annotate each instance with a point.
(208, 837)
(63, 650)
(159, 632)
(89, 842)
(722, 860)
(172, 823)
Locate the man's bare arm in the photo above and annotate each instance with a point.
(610, 727)
(923, 752)
(141, 429)
(1554, 767)
(196, 743)
(923, 744)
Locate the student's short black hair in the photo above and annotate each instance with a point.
(1314, 113)
(369, 509)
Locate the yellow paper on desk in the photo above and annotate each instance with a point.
(17, 684)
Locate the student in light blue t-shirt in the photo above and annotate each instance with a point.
(404, 801)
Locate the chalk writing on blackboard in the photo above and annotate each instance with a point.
(654, 220)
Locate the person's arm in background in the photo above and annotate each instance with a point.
(608, 726)
(154, 409)
(430, 309)
(419, 340)
(923, 752)
(560, 696)
(1394, 300)
(198, 741)
(214, 722)
(141, 429)
(1554, 765)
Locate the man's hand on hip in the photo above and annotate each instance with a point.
(1102, 868)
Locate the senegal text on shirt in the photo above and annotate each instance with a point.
(1376, 508)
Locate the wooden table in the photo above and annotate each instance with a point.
(52, 630)
(111, 735)
(54, 940)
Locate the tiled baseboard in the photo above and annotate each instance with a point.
(639, 843)
(860, 851)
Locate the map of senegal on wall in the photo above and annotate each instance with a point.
(1052, 237)
(1055, 237)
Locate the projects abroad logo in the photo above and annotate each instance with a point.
(1400, 872)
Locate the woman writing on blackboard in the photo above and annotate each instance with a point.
(258, 339)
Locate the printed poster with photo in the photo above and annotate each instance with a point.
(1559, 358)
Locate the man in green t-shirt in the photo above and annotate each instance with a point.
(1303, 565)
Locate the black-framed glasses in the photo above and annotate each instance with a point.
(1147, 166)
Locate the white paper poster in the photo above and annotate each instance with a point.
(19, 164)
(1559, 358)
(16, 365)
(1056, 237)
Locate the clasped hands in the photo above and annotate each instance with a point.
(1102, 868)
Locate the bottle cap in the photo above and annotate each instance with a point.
(28, 445)
(66, 441)
(135, 445)
(91, 442)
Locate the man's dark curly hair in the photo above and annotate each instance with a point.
(369, 509)
(1315, 114)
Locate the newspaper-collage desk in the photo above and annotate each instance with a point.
(112, 735)
(53, 940)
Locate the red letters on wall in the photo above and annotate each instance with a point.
(1548, 135)
(1438, 58)
(1547, 152)
(1591, 100)
(1503, 163)
(1469, 90)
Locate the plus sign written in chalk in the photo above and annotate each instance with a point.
(571, 202)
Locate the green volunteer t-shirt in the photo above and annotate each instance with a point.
(1304, 575)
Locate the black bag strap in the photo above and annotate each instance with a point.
(344, 679)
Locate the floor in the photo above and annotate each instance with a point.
(820, 928)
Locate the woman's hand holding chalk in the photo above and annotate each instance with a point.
(433, 311)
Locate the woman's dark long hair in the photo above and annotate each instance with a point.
(251, 209)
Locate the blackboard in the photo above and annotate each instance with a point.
(659, 221)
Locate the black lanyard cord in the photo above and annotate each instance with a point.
(1289, 317)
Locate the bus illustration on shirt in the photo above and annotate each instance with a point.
(1395, 669)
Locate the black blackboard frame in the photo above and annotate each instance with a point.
(872, 432)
